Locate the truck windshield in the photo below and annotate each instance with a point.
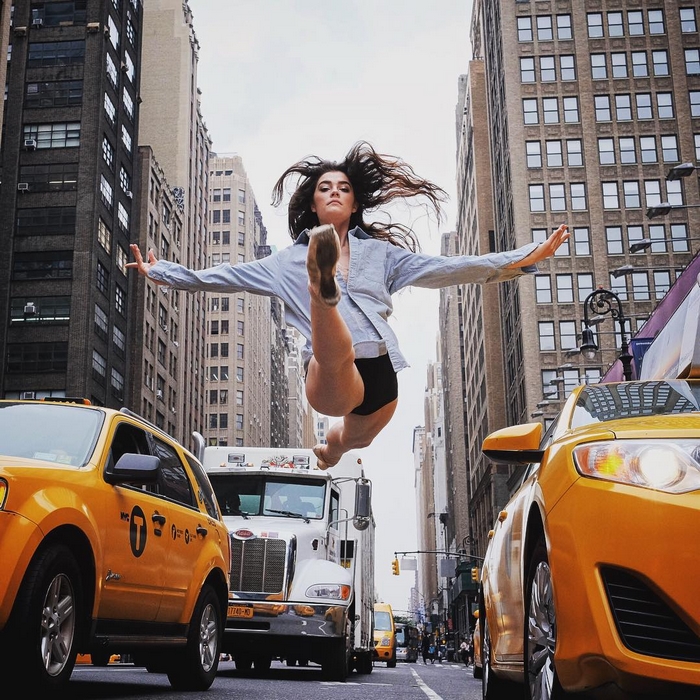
(260, 494)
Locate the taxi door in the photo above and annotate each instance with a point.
(136, 541)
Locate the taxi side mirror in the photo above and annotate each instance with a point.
(517, 444)
(133, 468)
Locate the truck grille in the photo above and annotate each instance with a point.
(645, 622)
(258, 565)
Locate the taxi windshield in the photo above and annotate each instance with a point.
(64, 434)
(605, 402)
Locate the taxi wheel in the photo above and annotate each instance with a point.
(46, 620)
(540, 630)
(335, 664)
(195, 667)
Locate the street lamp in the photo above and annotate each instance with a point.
(644, 243)
(664, 208)
(678, 172)
(600, 303)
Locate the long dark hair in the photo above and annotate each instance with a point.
(376, 179)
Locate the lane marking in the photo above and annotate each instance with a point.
(426, 689)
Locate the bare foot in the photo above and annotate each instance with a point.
(321, 463)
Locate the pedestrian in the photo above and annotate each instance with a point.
(425, 648)
(337, 279)
(464, 651)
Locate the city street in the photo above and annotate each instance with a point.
(446, 681)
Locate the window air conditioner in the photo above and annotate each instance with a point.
(27, 395)
(37, 22)
(129, 194)
(124, 67)
(93, 27)
(29, 144)
(159, 394)
(23, 186)
(30, 309)
(20, 31)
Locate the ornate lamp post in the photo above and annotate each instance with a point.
(600, 303)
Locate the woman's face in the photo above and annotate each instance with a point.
(334, 199)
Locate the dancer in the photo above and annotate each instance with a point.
(337, 279)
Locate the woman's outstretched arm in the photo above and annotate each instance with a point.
(141, 265)
(544, 250)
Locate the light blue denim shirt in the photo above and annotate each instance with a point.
(377, 270)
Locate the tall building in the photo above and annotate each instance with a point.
(240, 332)
(173, 128)
(5, 25)
(588, 112)
(68, 163)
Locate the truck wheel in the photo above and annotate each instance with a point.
(195, 667)
(391, 663)
(335, 665)
(46, 621)
(292, 662)
(303, 662)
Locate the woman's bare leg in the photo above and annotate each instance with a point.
(351, 433)
(333, 384)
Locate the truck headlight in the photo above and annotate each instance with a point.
(335, 591)
(661, 465)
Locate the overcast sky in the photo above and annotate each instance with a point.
(283, 79)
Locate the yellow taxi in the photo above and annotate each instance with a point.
(384, 635)
(111, 542)
(591, 573)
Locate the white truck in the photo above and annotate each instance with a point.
(302, 574)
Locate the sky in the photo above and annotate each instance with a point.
(284, 79)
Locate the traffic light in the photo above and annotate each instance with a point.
(395, 567)
(475, 574)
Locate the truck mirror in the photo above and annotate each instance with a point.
(363, 504)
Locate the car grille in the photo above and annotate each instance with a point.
(645, 623)
(258, 565)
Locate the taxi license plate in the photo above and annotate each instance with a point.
(239, 611)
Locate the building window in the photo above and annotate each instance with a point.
(615, 24)
(647, 148)
(530, 114)
(533, 150)
(32, 358)
(121, 258)
(525, 29)
(669, 149)
(567, 335)
(567, 67)
(635, 23)
(557, 197)
(611, 199)
(692, 61)
(623, 108)
(606, 151)
(120, 300)
(565, 289)
(584, 281)
(550, 110)
(634, 234)
(548, 71)
(117, 383)
(662, 283)
(664, 105)
(102, 278)
(544, 28)
(657, 233)
(688, 21)
(582, 240)
(104, 235)
(578, 196)
(543, 289)
(58, 93)
(595, 25)
(57, 135)
(602, 108)
(644, 108)
(537, 198)
(55, 53)
(628, 154)
(106, 193)
(639, 64)
(618, 62)
(108, 152)
(571, 115)
(679, 238)
(112, 72)
(640, 286)
(123, 217)
(110, 110)
(546, 335)
(659, 61)
(48, 310)
(119, 339)
(554, 155)
(40, 221)
(630, 192)
(564, 27)
(613, 240)
(56, 177)
(126, 139)
(128, 103)
(652, 192)
(101, 323)
(527, 70)
(43, 265)
(99, 366)
(239, 421)
(599, 67)
(655, 19)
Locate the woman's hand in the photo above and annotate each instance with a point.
(141, 265)
(545, 250)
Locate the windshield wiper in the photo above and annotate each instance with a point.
(289, 514)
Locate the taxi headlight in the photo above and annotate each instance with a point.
(385, 642)
(661, 465)
(335, 591)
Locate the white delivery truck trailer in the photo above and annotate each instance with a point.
(302, 573)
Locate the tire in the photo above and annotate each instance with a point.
(195, 667)
(292, 662)
(540, 630)
(391, 663)
(493, 687)
(476, 671)
(335, 664)
(47, 621)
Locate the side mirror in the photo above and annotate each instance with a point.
(518, 444)
(363, 504)
(134, 469)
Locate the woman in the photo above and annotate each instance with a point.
(337, 280)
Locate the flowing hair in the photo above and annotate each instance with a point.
(376, 179)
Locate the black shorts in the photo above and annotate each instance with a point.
(381, 384)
